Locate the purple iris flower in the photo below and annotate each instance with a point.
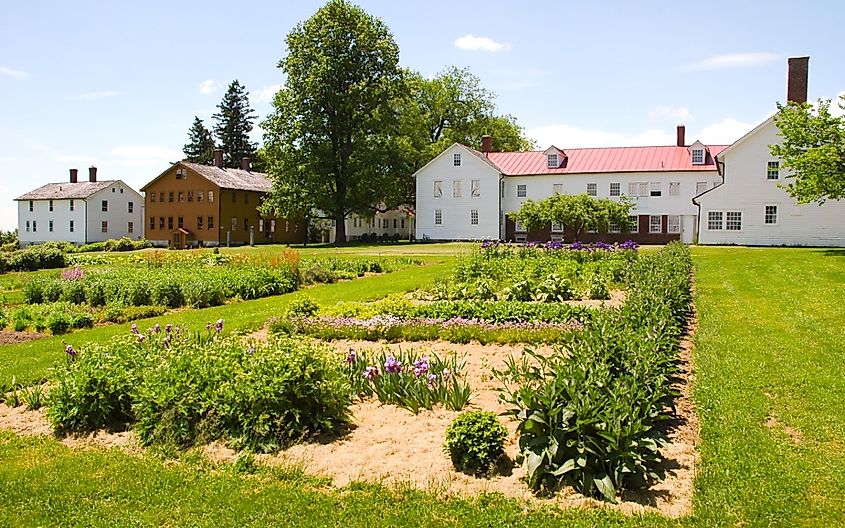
(371, 373)
(134, 329)
(218, 327)
(392, 365)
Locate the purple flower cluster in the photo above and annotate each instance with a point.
(556, 245)
(392, 365)
(70, 351)
(371, 373)
(351, 357)
(421, 366)
(382, 322)
(73, 274)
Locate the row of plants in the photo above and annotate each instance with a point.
(62, 316)
(591, 415)
(331, 269)
(32, 258)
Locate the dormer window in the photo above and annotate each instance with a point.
(181, 174)
(551, 161)
(698, 156)
(456, 160)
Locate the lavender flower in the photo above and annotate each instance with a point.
(218, 327)
(371, 373)
(431, 379)
(251, 349)
(157, 328)
(392, 365)
(421, 366)
(351, 356)
(69, 350)
(73, 274)
(134, 329)
(446, 374)
(168, 327)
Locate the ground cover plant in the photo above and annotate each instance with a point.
(589, 414)
(475, 441)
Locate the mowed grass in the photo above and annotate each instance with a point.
(769, 388)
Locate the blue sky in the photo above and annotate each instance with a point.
(117, 84)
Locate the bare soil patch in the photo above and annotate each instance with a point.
(794, 434)
(9, 337)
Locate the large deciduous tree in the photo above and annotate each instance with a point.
(232, 124)
(813, 150)
(576, 212)
(200, 146)
(331, 142)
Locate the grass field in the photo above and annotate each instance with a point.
(770, 358)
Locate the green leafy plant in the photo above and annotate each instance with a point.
(475, 441)
(34, 397)
(303, 307)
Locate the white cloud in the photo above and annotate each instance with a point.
(732, 60)
(470, 42)
(142, 155)
(724, 133)
(209, 86)
(835, 109)
(93, 96)
(266, 94)
(680, 113)
(14, 74)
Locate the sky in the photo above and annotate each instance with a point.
(117, 84)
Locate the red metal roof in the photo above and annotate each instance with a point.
(608, 159)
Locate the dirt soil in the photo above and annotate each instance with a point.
(8, 337)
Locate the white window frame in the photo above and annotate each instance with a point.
(613, 227)
(457, 192)
(50, 226)
(767, 215)
(104, 226)
(773, 170)
(438, 189)
(698, 156)
(475, 188)
(615, 189)
(27, 226)
(655, 189)
(473, 216)
(651, 227)
(592, 189)
(673, 224)
(456, 159)
(521, 190)
(438, 217)
(714, 223)
(181, 174)
(700, 187)
(557, 188)
(70, 226)
(518, 227)
(674, 188)
(71, 204)
(633, 224)
(551, 161)
(734, 221)
(638, 189)
(557, 227)
(51, 207)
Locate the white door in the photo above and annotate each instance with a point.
(688, 225)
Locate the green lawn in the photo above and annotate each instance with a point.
(770, 363)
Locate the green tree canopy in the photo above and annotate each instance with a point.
(576, 212)
(330, 142)
(232, 125)
(200, 146)
(813, 149)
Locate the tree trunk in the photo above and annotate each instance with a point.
(340, 228)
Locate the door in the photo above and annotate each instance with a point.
(688, 226)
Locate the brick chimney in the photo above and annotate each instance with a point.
(245, 163)
(796, 80)
(218, 158)
(486, 144)
(74, 175)
(92, 174)
(682, 140)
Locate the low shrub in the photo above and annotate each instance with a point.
(475, 441)
(303, 307)
(58, 322)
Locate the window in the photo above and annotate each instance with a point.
(71, 205)
(190, 196)
(70, 226)
(180, 222)
(714, 220)
(438, 217)
(234, 223)
(34, 226)
(27, 226)
(181, 174)
(473, 216)
(210, 222)
(152, 197)
(50, 226)
(771, 215)
(456, 160)
(199, 223)
(551, 161)
(614, 228)
(51, 207)
(633, 224)
(456, 189)
(161, 197)
(246, 224)
(161, 222)
(199, 196)
(170, 223)
(210, 196)
(121, 190)
(104, 227)
(181, 197)
(673, 224)
(518, 227)
(615, 189)
(733, 220)
(773, 170)
(697, 156)
(152, 223)
(112, 189)
(557, 188)
(700, 187)
(655, 189)
(655, 224)
(395, 223)
(130, 227)
(402, 223)
(105, 205)
(272, 226)
(592, 189)
(30, 206)
(131, 207)
(674, 188)
(557, 227)
(475, 188)
(261, 224)
(287, 226)
(384, 223)
(638, 189)
(521, 191)
(438, 189)
(170, 197)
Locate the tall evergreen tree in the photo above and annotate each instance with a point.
(200, 147)
(232, 125)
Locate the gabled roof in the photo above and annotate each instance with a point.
(607, 159)
(224, 178)
(746, 136)
(66, 190)
(474, 152)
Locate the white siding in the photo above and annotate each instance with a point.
(61, 217)
(747, 189)
(118, 215)
(456, 212)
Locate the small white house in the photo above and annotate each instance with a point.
(751, 207)
(80, 212)
(463, 194)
